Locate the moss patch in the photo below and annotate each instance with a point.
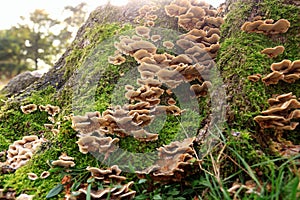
(240, 57)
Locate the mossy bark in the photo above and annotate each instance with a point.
(240, 57)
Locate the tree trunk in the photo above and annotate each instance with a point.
(240, 57)
(84, 65)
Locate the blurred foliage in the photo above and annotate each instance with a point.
(37, 40)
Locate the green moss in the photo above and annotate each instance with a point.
(90, 40)
(64, 142)
(240, 57)
(15, 124)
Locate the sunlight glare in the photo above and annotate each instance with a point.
(119, 2)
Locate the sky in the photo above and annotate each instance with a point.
(11, 10)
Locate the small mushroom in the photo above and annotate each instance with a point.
(52, 110)
(116, 60)
(55, 131)
(168, 44)
(42, 108)
(283, 66)
(44, 175)
(140, 54)
(151, 24)
(155, 38)
(29, 108)
(142, 31)
(32, 176)
(254, 78)
(174, 10)
(171, 101)
(201, 90)
(49, 126)
(63, 163)
(65, 157)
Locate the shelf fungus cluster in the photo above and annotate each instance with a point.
(112, 184)
(96, 144)
(147, 15)
(157, 71)
(21, 151)
(267, 27)
(52, 112)
(201, 43)
(126, 121)
(193, 14)
(175, 161)
(282, 115)
(285, 70)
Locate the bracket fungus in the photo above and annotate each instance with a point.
(273, 52)
(272, 78)
(254, 78)
(64, 161)
(175, 162)
(45, 174)
(147, 14)
(155, 38)
(111, 182)
(267, 27)
(143, 31)
(156, 71)
(202, 23)
(129, 46)
(21, 151)
(65, 157)
(285, 70)
(51, 110)
(86, 124)
(121, 121)
(29, 108)
(282, 113)
(201, 90)
(116, 60)
(32, 176)
(103, 145)
(168, 44)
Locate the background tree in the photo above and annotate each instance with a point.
(37, 40)
(12, 53)
(40, 38)
(76, 17)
